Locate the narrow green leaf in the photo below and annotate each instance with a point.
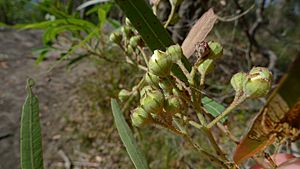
(52, 32)
(213, 107)
(91, 2)
(146, 23)
(102, 12)
(127, 138)
(30, 133)
(85, 25)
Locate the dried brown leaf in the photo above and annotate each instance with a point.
(199, 32)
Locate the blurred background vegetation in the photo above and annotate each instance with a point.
(253, 33)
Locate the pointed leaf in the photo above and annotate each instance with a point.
(213, 107)
(30, 133)
(127, 138)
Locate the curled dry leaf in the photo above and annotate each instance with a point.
(198, 32)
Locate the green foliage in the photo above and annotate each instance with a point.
(30, 134)
(81, 33)
(126, 135)
(19, 11)
(213, 107)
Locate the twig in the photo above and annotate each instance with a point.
(238, 100)
(225, 130)
(66, 159)
(234, 18)
(4, 136)
(143, 55)
(85, 164)
(187, 138)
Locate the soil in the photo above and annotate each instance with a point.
(62, 121)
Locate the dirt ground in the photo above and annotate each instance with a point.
(64, 137)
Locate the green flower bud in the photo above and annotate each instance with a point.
(152, 79)
(128, 31)
(160, 64)
(129, 50)
(135, 41)
(175, 52)
(153, 101)
(206, 67)
(145, 90)
(166, 86)
(258, 84)
(173, 105)
(115, 37)
(127, 22)
(124, 94)
(140, 117)
(237, 81)
(216, 50)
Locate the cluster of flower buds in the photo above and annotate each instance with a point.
(127, 37)
(160, 99)
(214, 51)
(257, 83)
(160, 63)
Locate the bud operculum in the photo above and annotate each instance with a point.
(135, 41)
(115, 37)
(237, 81)
(127, 22)
(206, 66)
(152, 79)
(152, 101)
(140, 117)
(160, 64)
(128, 31)
(166, 86)
(216, 50)
(145, 90)
(173, 105)
(258, 84)
(124, 94)
(175, 52)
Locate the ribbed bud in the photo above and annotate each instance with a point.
(140, 117)
(145, 90)
(175, 52)
(124, 94)
(238, 80)
(216, 50)
(206, 67)
(152, 79)
(136, 41)
(115, 37)
(173, 105)
(153, 101)
(129, 50)
(128, 31)
(160, 64)
(127, 22)
(166, 86)
(259, 81)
